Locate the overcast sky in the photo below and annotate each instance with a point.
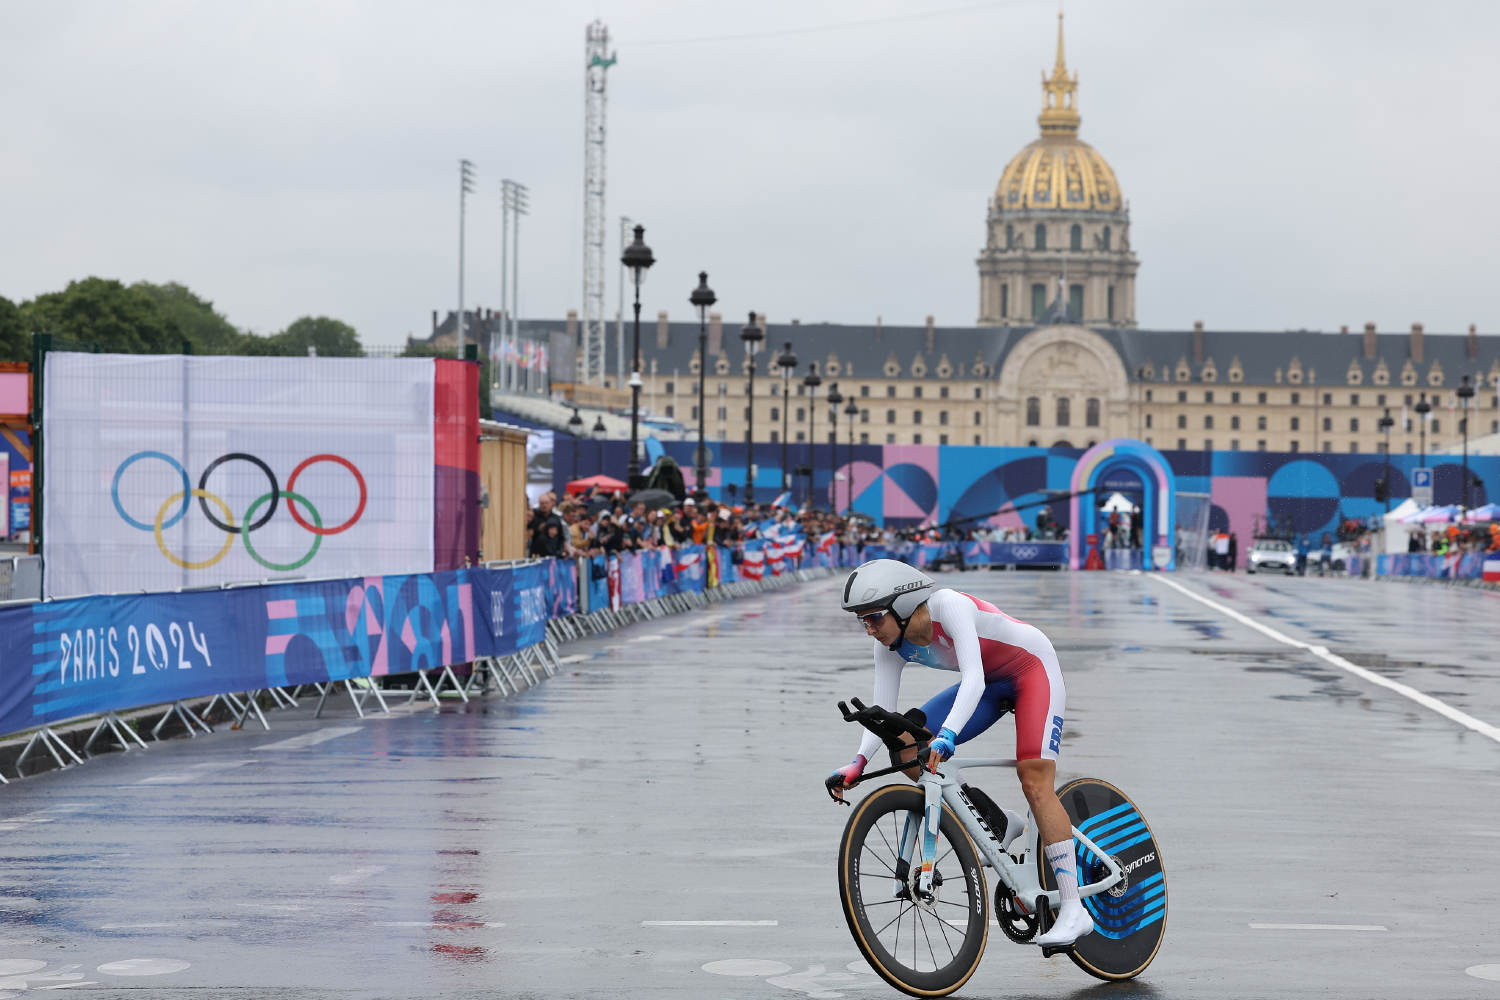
(1288, 164)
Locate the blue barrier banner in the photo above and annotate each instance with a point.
(1029, 553)
(691, 568)
(598, 583)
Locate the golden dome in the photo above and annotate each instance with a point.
(1059, 170)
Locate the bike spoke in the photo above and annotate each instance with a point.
(928, 938)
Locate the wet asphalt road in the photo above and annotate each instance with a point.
(531, 847)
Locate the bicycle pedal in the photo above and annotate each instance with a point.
(1062, 949)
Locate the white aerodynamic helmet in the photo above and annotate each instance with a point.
(889, 584)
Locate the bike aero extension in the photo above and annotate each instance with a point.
(912, 860)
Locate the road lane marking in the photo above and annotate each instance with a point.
(441, 925)
(1425, 700)
(746, 967)
(143, 967)
(1319, 927)
(357, 875)
(49, 815)
(311, 739)
(573, 658)
(709, 923)
(194, 772)
(1484, 971)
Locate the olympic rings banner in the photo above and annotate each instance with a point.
(62, 659)
(162, 472)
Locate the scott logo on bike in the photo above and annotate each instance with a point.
(1054, 743)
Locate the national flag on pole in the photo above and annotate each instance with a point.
(754, 566)
(784, 500)
(775, 558)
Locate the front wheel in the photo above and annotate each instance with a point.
(1130, 919)
(926, 947)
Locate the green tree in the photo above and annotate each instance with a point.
(333, 339)
(15, 344)
(209, 330)
(419, 350)
(120, 320)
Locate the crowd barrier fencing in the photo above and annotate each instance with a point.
(1434, 566)
(83, 661)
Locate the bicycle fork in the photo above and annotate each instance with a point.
(925, 830)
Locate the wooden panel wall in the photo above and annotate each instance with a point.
(502, 468)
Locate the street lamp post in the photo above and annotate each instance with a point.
(600, 432)
(851, 410)
(752, 335)
(702, 298)
(1423, 408)
(834, 399)
(1465, 393)
(812, 381)
(787, 361)
(638, 258)
(575, 428)
(1386, 423)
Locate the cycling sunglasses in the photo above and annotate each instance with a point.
(871, 619)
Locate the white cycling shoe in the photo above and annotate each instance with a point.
(1072, 923)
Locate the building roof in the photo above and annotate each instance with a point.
(908, 352)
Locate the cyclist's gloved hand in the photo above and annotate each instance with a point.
(851, 771)
(944, 744)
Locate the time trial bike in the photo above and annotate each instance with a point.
(913, 886)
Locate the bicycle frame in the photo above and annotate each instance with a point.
(1020, 877)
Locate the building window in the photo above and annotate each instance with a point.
(1495, 426)
(890, 439)
(1380, 400)
(1181, 420)
(1260, 446)
(671, 388)
(775, 439)
(1064, 411)
(723, 413)
(695, 413)
(1148, 395)
(864, 439)
(1327, 399)
(1182, 444)
(1234, 424)
(1260, 425)
(942, 439)
(1328, 446)
(747, 413)
(1148, 421)
(943, 392)
(864, 390)
(671, 412)
(1208, 421)
(1262, 399)
(1208, 397)
(1437, 425)
(775, 413)
(775, 389)
(942, 416)
(1091, 412)
(916, 439)
(1294, 448)
(801, 389)
(976, 392)
(1327, 423)
(1075, 237)
(1234, 397)
(1208, 444)
(1408, 447)
(890, 391)
(1234, 444)
(890, 416)
(1109, 298)
(1353, 425)
(723, 388)
(1033, 411)
(1296, 423)
(1038, 300)
(1010, 236)
(976, 438)
(1075, 300)
(723, 435)
(916, 392)
(1041, 236)
(1296, 399)
(1354, 399)
(1107, 235)
(916, 416)
(1354, 447)
(1182, 396)
(864, 416)
(1004, 301)
(801, 415)
(977, 418)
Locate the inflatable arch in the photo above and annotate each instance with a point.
(1158, 503)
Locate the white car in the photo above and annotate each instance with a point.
(1268, 554)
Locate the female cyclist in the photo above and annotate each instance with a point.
(997, 658)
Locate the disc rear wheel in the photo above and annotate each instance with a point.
(926, 946)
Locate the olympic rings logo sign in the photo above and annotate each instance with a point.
(268, 500)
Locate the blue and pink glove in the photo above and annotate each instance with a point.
(944, 744)
(851, 771)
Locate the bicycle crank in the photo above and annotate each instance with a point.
(1015, 923)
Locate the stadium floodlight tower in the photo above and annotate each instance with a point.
(597, 61)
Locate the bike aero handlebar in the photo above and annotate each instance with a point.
(890, 727)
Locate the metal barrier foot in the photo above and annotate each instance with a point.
(49, 741)
(117, 728)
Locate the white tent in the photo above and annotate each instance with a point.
(1117, 502)
(1396, 533)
